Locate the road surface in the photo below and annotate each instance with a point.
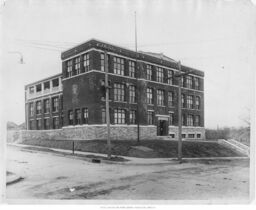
(54, 176)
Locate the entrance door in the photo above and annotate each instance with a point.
(162, 128)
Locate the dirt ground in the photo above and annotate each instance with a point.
(51, 176)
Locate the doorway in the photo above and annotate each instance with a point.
(162, 128)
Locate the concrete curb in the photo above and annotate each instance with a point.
(131, 160)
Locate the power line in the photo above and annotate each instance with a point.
(45, 48)
(69, 44)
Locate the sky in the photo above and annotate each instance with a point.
(215, 36)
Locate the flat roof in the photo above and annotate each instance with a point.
(156, 58)
(43, 80)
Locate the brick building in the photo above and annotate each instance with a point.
(75, 98)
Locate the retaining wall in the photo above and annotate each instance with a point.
(235, 146)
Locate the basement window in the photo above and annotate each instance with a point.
(172, 135)
(191, 135)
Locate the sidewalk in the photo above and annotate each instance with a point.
(129, 160)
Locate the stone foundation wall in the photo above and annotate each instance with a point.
(91, 132)
(188, 130)
(87, 132)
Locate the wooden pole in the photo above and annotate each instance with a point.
(107, 103)
(137, 88)
(179, 117)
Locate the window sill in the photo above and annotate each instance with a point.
(120, 101)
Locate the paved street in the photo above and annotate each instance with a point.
(52, 176)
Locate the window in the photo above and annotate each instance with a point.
(46, 123)
(103, 89)
(190, 120)
(70, 117)
(159, 74)
(102, 62)
(196, 83)
(55, 82)
(171, 118)
(31, 90)
(55, 122)
(197, 120)
(46, 106)
(132, 98)
(119, 66)
(77, 116)
(103, 115)
(85, 115)
(38, 88)
(38, 107)
(86, 58)
(183, 81)
(183, 101)
(132, 116)
(31, 109)
(31, 127)
(38, 124)
(118, 92)
(150, 95)
(170, 77)
(149, 72)
(131, 69)
(69, 68)
(47, 85)
(183, 135)
(119, 116)
(77, 66)
(150, 117)
(198, 135)
(62, 119)
(183, 120)
(170, 99)
(55, 104)
(189, 82)
(197, 103)
(191, 135)
(172, 135)
(160, 97)
(189, 102)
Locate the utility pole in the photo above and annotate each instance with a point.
(179, 116)
(107, 103)
(179, 75)
(137, 88)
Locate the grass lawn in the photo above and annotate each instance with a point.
(158, 148)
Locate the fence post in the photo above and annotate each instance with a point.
(73, 147)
